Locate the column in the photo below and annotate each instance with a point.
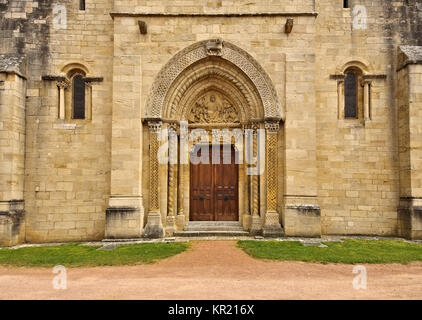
(172, 179)
(366, 102)
(183, 139)
(256, 223)
(340, 97)
(272, 227)
(154, 227)
(63, 85)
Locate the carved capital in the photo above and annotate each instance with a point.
(254, 126)
(63, 84)
(154, 126)
(272, 126)
(173, 128)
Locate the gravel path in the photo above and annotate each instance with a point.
(215, 270)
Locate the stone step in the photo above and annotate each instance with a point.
(213, 226)
(211, 234)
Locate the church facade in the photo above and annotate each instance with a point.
(108, 109)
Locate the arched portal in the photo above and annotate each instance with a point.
(224, 53)
(214, 85)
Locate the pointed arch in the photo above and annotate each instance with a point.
(246, 75)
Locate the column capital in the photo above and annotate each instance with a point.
(272, 126)
(63, 83)
(174, 128)
(155, 126)
(253, 125)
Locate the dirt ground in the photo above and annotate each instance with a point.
(215, 270)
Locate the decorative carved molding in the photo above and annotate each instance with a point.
(213, 108)
(271, 164)
(154, 128)
(197, 52)
(224, 78)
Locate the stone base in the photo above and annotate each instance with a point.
(246, 222)
(124, 223)
(272, 227)
(170, 226)
(256, 226)
(12, 231)
(302, 221)
(154, 228)
(180, 221)
(410, 220)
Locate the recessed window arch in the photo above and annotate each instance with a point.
(355, 82)
(352, 93)
(75, 92)
(78, 96)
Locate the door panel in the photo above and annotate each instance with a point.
(202, 204)
(226, 188)
(214, 190)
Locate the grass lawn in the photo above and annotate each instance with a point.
(77, 255)
(349, 251)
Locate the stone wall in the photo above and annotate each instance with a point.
(347, 171)
(68, 161)
(358, 167)
(67, 170)
(12, 145)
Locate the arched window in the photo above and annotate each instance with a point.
(352, 93)
(81, 4)
(78, 86)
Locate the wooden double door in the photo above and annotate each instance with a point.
(214, 187)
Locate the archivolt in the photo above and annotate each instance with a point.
(249, 78)
(203, 75)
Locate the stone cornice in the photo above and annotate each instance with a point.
(365, 76)
(215, 15)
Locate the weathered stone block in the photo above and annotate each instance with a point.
(123, 223)
(302, 220)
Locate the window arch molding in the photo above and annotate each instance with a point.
(361, 64)
(353, 90)
(75, 93)
(69, 66)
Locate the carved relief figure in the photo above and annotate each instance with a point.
(213, 108)
(214, 47)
